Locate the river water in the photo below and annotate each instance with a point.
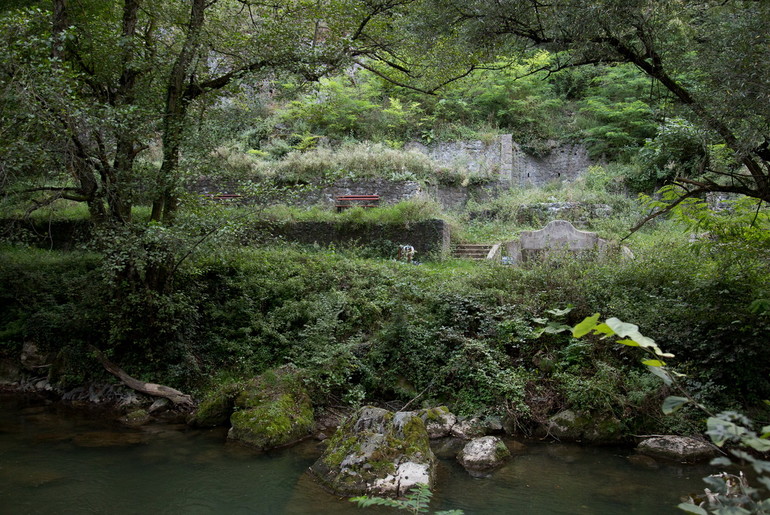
(57, 460)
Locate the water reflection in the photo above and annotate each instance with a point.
(57, 460)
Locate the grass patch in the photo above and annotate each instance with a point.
(351, 161)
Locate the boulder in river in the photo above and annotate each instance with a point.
(216, 407)
(377, 452)
(136, 417)
(274, 410)
(484, 453)
(469, 428)
(677, 448)
(438, 421)
(573, 426)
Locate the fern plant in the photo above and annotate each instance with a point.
(417, 501)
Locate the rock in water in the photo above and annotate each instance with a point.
(217, 406)
(377, 452)
(469, 428)
(677, 448)
(273, 411)
(571, 426)
(438, 421)
(483, 453)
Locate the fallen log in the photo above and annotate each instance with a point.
(155, 390)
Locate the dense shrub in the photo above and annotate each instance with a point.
(468, 336)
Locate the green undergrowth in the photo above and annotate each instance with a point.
(468, 335)
(402, 213)
(62, 210)
(353, 161)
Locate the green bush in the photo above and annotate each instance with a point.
(459, 333)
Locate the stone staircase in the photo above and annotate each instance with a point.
(475, 250)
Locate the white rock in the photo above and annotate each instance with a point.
(483, 453)
(407, 476)
(677, 448)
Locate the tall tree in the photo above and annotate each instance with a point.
(712, 56)
(90, 84)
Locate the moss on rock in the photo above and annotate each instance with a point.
(438, 421)
(377, 451)
(137, 417)
(272, 411)
(569, 425)
(216, 407)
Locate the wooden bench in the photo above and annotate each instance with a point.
(347, 201)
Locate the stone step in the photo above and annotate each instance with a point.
(471, 251)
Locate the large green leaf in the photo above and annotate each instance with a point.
(721, 430)
(673, 403)
(662, 373)
(631, 332)
(759, 444)
(621, 328)
(604, 329)
(586, 326)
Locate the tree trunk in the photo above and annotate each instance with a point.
(155, 390)
(165, 205)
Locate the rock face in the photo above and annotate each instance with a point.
(273, 411)
(677, 448)
(483, 453)
(377, 452)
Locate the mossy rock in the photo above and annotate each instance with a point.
(216, 407)
(377, 452)
(573, 426)
(438, 421)
(137, 417)
(272, 411)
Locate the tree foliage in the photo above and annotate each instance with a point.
(89, 87)
(710, 56)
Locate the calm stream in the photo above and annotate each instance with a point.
(55, 460)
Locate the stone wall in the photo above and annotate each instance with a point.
(501, 162)
(562, 163)
(483, 158)
(393, 192)
(427, 237)
(47, 234)
(506, 160)
(390, 192)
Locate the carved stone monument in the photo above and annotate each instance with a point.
(557, 236)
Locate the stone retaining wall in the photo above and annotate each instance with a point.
(427, 237)
(48, 234)
(506, 160)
